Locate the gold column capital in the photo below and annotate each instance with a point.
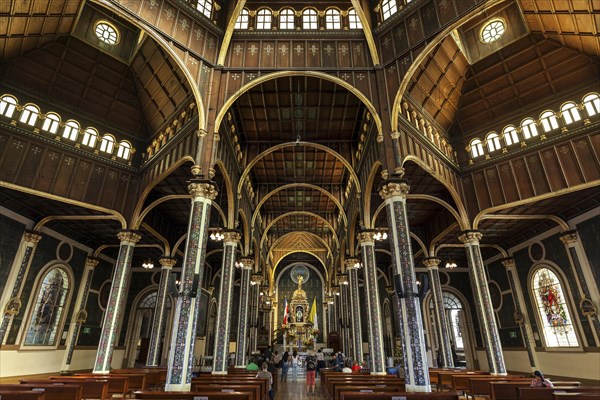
(91, 262)
(32, 237)
(395, 135)
(342, 279)
(508, 262)
(432, 262)
(470, 237)
(247, 262)
(167, 262)
(351, 262)
(569, 237)
(231, 236)
(366, 236)
(204, 189)
(391, 189)
(129, 236)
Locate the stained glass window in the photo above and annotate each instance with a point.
(553, 311)
(44, 323)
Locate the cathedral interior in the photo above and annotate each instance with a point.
(186, 182)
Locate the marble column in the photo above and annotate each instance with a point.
(257, 281)
(439, 313)
(355, 320)
(183, 336)
(11, 295)
(230, 243)
(342, 281)
(521, 316)
(160, 313)
(109, 335)
(374, 314)
(80, 316)
(394, 193)
(583, 275)
(483, 303)
(241, 357)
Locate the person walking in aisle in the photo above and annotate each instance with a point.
(311, 371)
(285, 366)
(295, 362)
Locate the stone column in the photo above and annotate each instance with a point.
(342, 281)
(241, 352)
(374, 315)
(257, 281)
(160, 312)
(415, 358)
(80, 316)
(483, 303)
(352, 265)
(183, 336)
(230, 243)
(439, 313)
(521, 316)
(11, 295)
(583, 275)
(116, 302)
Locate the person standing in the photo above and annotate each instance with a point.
(311, 371)
(264, 373)
(320, 361)
(285, 366)
(295, 362)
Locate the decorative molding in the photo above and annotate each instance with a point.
(393, 189)
(205, 189)
(470, 237)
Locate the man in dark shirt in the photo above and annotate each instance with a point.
(311, 371)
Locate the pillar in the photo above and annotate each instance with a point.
(342, 280)
(257, 281)
(225, 299)
(160, 312)
(583, 275)
(11, 295)
(183, 336)
(109, 335)
(355, 320)
(374, 315)
(415, 358)
(483, 303)
(521, 315)
(80, 316)
(439, 313)
(242, 340)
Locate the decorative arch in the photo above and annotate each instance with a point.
(245, 232)
(229, 222)
(367, 197)
(312, 214)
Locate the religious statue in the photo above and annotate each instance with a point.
(299, 314)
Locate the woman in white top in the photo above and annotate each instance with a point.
(295, 361)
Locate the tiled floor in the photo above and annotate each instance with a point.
(291, 390)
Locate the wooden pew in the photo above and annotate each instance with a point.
(90, 388)
(52, 392)
(444, 380)
(21, 395)
(506, 390)
(192, 395)
(358, 379)
(233, 380)
(254, 389)
(390, 395)
(547, 393)
(576, 396)
(117, 384)
(366, 389)
(480, 386)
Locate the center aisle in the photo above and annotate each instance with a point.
(291, 390)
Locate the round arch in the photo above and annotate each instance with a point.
(367, 197)
(229, 221)
(274, 269)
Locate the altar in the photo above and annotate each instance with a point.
(299, 332)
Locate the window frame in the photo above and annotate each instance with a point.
(31, 307)
(570, 112)
(240, 23)
(48, 126)
(529, 128)
(593, 103)
(70, 126)
(86, 135)
(513, 134)
(107, 138)
(124, 144)
(30, 113)
(287, 19)
(492, 142)
(388, 8)
(354, 20)
(310, 17)
(568, 302)
(266, 23)
(477, 144)
(333, 24)
(205, 7)
(10, 108)
(549, 121)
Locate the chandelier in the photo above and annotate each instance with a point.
(451, 264)
(148, 264)
(216, 234)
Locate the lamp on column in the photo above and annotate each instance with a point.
(380, 234)
(451, 264)
(216, 234)
(256, 278)
(244, 262)
(342, 279)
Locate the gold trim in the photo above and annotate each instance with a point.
(246, 233)
(367, 197)
(38, 227)
(294, 185)
(177, 244)
(367, 31)
(155, 203)
(314, 74)
(274, 268)
(432, 262)
(13, 307)
(229, 221)
(559, 221)
(229, 31)
(275, 245)
(65, 200)
(165, 242)
(308, 213)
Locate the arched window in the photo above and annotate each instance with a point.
(263, 19)
(353, 20)
(286, 19)
(570, 113)
(553, 310)
(107, 144)
(90, 137)
(44, 324)
(310, 19)
(71, 130)
(549, 121)
(8, 104)
(591, 102)
(454, 310)
(51, 123)
(205, 7)
(243, 19)
(528, 128)
(510, 135)
(333, 20)
(476, 148)
(388, 8)
(493, 142)
(124, 150)
(29, 114)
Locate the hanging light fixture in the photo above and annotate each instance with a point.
(380, 234)
(451, 264)
(216, 234)
(148, 264)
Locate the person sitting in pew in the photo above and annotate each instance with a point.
(264, 373)
(540, 381)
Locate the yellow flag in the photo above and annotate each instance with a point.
(312, 317)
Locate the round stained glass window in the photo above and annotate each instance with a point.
(106, 33)
(492, 31)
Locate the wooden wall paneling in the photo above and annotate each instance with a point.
(523, 179)
(145, 11)
(446, 11)
(12, 158)
(538, 174)
(95, 184)
(313, 54)
(211, 45)
(268, 54)
(429, 17)
(49, 166)
(283, 53)
(415, 30)
(127, 186)
(360, 54)
(587, 151)
(29, 167)
(298, 53)
(470, 195)
(482, 190)
(392, 81)
(554, 171)
(568, 162)
(65, 173)
(181, 28)
(235, 55)
(507, 180)
(252, 54)
(328, 54)
(80, 179)
(494, 186)
(109, 190)
(362, 81)
(464, 5)
(386, 46)
(344, 56)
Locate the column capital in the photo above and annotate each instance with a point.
(129, 236)
(342, 279)
(203, 188)
(167, 262)
(246, 262)
(231, 236)
(351, 262)
(470, 237)
(395, 135)
(394, 188)
(508, 262)
(32, 237)
(91, 262)
(366, 236)
(432, 262)
(569, 237)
